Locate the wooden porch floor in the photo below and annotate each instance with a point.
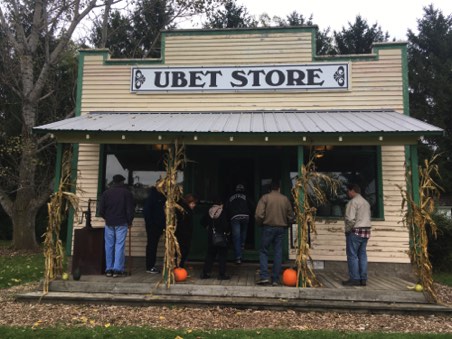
(383, 293)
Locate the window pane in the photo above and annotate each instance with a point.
(348, 164)
(141, 165)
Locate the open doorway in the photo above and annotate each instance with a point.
(216, 170)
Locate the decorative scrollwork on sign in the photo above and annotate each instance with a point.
(339, 76)
(139, 79)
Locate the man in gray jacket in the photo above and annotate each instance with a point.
(274, 213)
(357, 233)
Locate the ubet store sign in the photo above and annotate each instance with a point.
(251, 78)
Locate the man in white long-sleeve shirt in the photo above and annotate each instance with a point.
(357, 233)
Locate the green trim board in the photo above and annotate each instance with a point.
(58, 166)
(71, 215)
(405, 81)
(79, 92)
(75, 149)
(300, 162)
(381, 212)
(105, 53)
(100, 172)
(373, 56)
(239, 31)
(242, 139)
(412, 162)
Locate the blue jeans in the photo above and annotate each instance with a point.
(239, 227)
(115, 241)
(356, 256)
(271, 235)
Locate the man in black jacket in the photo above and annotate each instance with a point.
(117, 208)
(154, 217)
(239, 209)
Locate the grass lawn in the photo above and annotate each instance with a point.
(141, 332)
(20, 268)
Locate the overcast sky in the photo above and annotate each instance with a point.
(394, 16)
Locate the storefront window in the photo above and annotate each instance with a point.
(141, 165)
(347, 164)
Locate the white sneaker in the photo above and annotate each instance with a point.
(153, 270)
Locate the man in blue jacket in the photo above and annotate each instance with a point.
(117, 208)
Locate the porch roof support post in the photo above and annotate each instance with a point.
(300, 161)
(414, 166)
(71, 214)
(58, 164)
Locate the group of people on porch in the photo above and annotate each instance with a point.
(224, 220)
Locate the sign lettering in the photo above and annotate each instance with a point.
(250, 78)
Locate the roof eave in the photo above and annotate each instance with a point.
(237, 138)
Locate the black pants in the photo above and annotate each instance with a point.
(184, 246)
(212, 253)
(153, 233)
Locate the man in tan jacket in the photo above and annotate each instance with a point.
(357, 233)
(274, 213)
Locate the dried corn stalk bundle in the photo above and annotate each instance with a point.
(174, 161)
(417, 217)
(310, 188)
(60, 202)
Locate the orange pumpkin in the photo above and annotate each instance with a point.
(180, 274)
(290, 277)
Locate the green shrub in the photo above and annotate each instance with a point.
(440, 248)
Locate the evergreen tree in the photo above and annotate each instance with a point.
(232, 16)
(119, 35)
(430, 80)
(135, 34)
(358, 37)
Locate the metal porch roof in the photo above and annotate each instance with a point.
(284, 121)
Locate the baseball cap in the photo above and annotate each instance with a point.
(117, 178)
(240, 188)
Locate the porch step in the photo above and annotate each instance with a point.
(352, 294)
(242, 302)
(384, 293)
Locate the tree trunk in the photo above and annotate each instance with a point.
(24, 209)
(24, 220)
